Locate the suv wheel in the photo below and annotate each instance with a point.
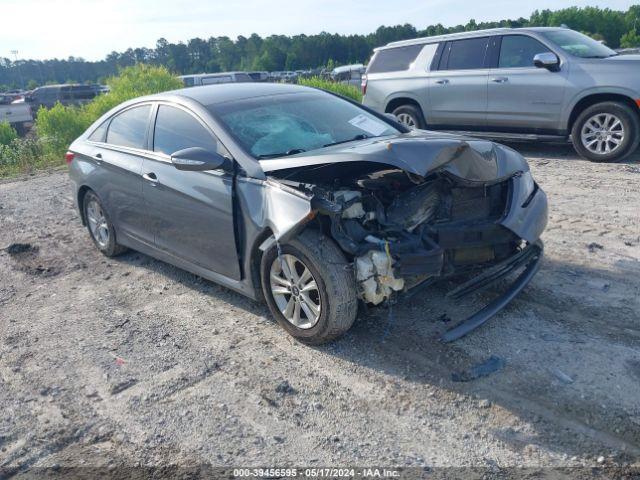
(310, 288)
(410, 115)
(606, 132)
(100, 227)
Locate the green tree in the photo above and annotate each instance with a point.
(631, 39)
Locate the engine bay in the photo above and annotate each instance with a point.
(400, 229)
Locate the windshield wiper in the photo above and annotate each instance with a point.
(293, 151)
(360, 136)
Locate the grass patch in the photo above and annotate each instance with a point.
(345, 90)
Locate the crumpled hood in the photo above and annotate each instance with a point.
(417, 152)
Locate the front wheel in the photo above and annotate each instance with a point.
(310, 288)
(606, 132)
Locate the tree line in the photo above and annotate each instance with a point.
(279, 52)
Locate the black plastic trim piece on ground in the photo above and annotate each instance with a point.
(499, 303)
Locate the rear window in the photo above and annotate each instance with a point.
(129, 128)
(466, 54)
(394, 59)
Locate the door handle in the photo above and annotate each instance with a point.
(444, 81)
(499, 79)
(151, 178)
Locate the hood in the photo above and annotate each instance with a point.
(417, 152)
(622, 58)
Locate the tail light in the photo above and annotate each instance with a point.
(69, 156)
(363, 85)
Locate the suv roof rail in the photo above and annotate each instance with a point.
(448, 36)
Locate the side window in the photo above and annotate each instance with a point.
(519, 50)
(394, 59)
(188, 82)
(99, 133)
(129, 128)
(176, 130)
(466, 54)
(214, 80)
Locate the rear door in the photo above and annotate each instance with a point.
(522, 97)
(191, 212)
(458, 86)
(118, 148)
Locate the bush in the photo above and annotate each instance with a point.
(24, 155)
(7, 133)
(340, 88)
(61, 125)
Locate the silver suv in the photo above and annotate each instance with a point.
(529, 83)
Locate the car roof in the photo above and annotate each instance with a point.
(461, 35)
(225, 92)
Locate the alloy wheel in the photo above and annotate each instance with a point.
(98, 225)
(602, 133)
(295, 291)
(406, 119)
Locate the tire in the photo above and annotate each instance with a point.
(100, 227)
(21, 129)
(617, 122)
(410, 115)
(335, 293)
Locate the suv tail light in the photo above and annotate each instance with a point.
(69, 156)
(363, 85)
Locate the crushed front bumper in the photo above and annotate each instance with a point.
(530, 258)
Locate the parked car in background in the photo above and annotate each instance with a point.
(529, 83)
(215, 78)
(18, 114)
(259, 76)
(349, 74)
(307, 200)
(66, 94)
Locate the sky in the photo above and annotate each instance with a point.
(91, 29)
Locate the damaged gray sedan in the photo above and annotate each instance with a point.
(308, 201)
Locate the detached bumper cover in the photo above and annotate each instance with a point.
(531, 258)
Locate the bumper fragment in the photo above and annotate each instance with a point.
(531, 257)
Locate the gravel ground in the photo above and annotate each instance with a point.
(132, 362)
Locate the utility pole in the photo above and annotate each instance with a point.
(15, 55)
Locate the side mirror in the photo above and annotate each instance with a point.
(547, 60)
(197, 159)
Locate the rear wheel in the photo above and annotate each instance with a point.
(310, 288)
(410, 115)
(606, 132)
(100, 227)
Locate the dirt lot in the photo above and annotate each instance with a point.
(130, 361)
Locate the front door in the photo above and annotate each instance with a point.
(191, 212)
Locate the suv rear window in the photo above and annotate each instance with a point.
(394, 59)
(465, 54)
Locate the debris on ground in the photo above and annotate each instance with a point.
(489, 366)
(593, 246)
(122, 386)
(284, 388)
(18, 248)
(560, 375)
